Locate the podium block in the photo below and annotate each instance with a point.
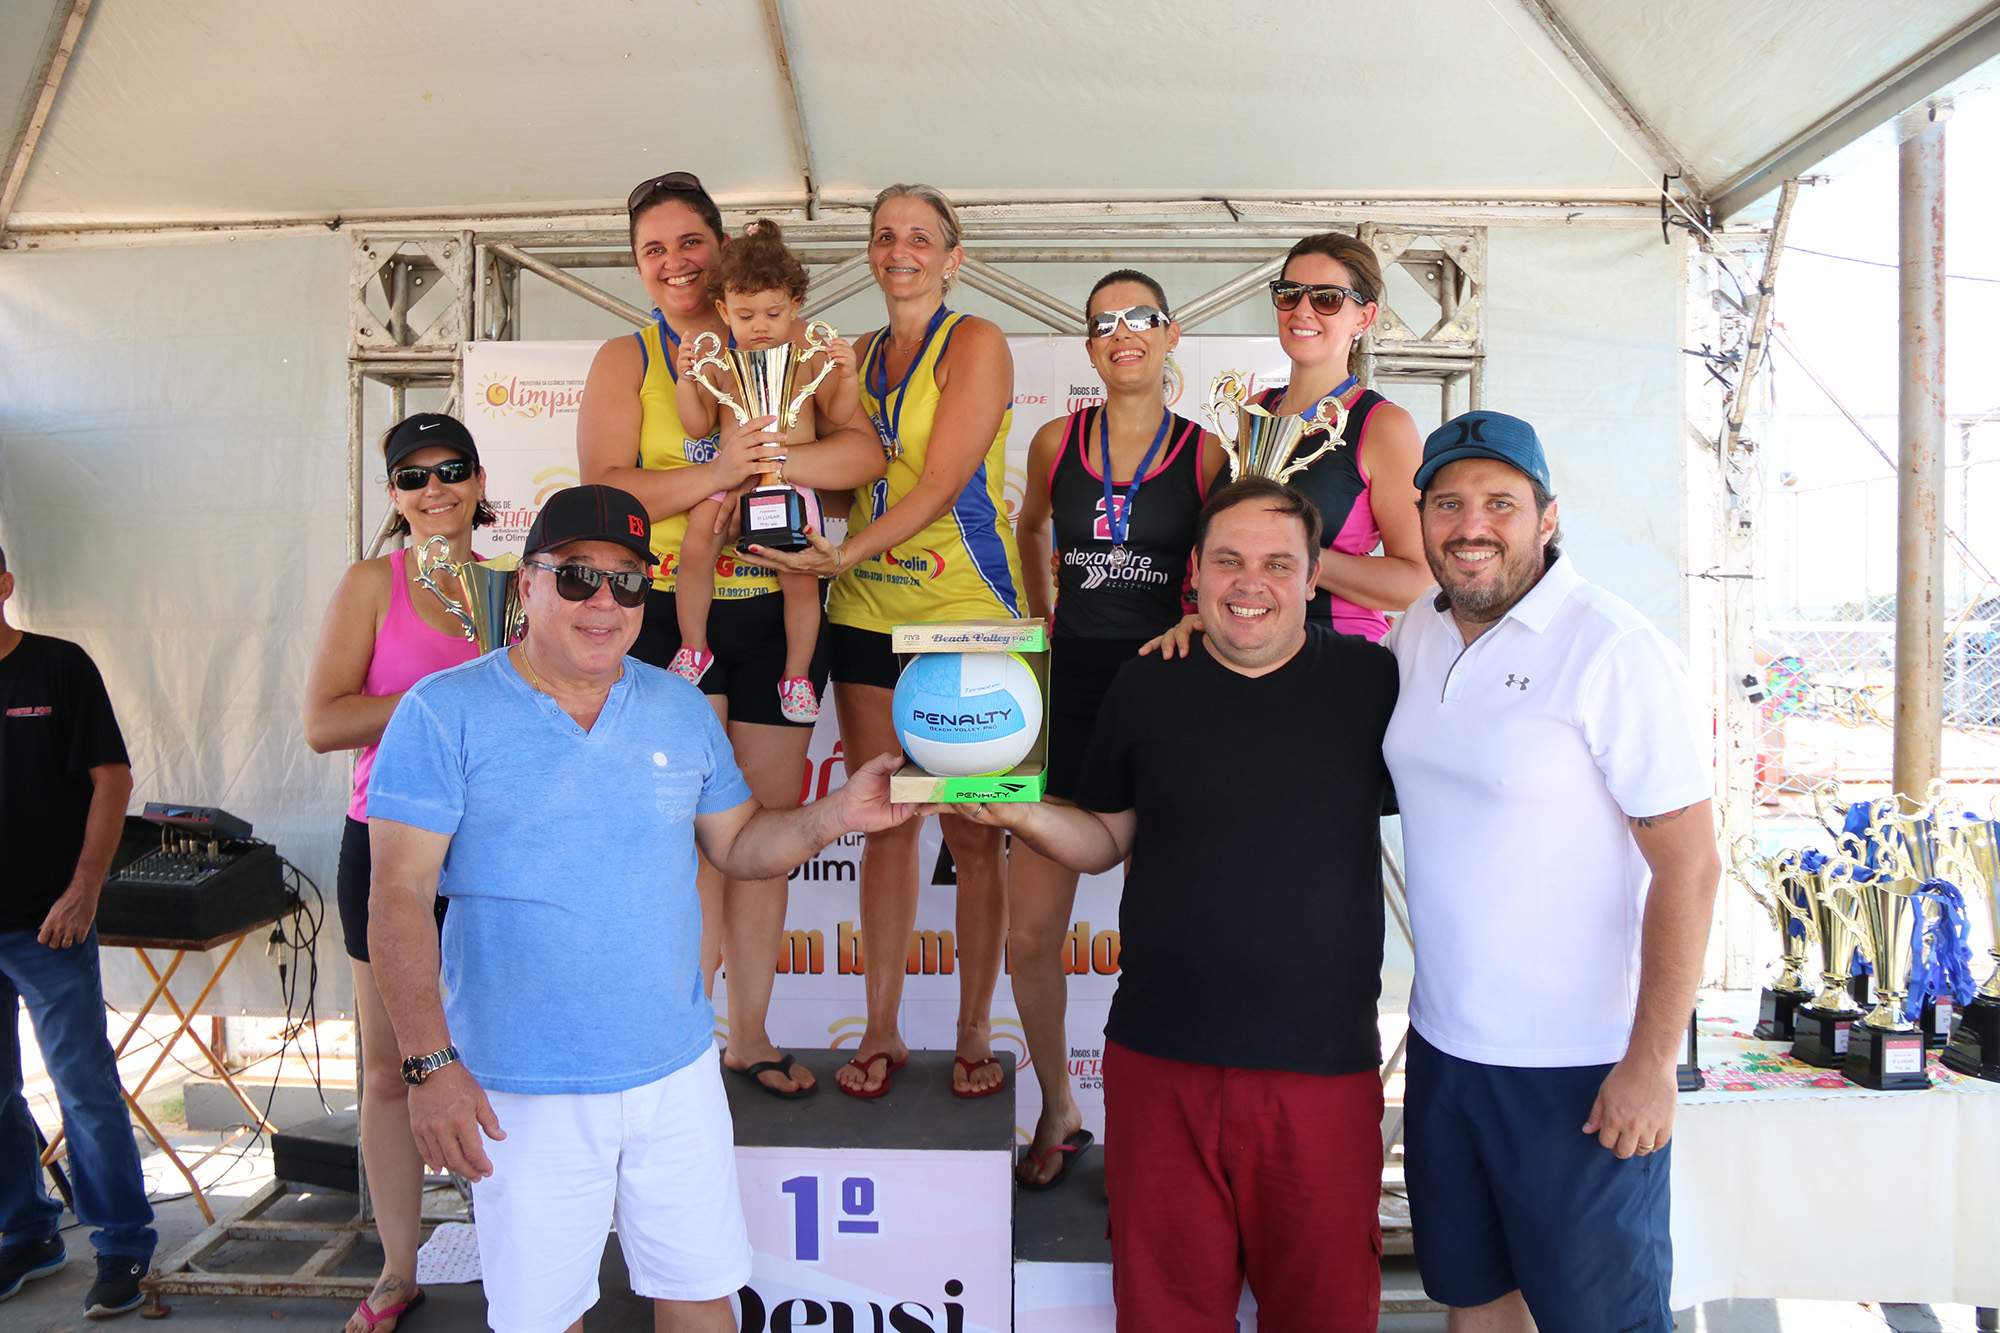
(894, 1214)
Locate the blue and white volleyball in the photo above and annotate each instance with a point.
(964, 715)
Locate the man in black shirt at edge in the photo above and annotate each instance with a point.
(64, 782)
(1242, 1103)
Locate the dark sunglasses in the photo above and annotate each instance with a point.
(673, 180)
(1137, 318)
(1326, 297)
(451, 472)
(579, 583)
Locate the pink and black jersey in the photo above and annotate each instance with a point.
(1339, 486)
(1100, 595)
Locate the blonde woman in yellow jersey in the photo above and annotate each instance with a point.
(930, 541)
(629, 435)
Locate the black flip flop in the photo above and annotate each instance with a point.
(1071, 1148)
(781, 1066)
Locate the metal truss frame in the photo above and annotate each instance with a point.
(467, 281)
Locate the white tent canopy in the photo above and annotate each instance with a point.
(233, 110)
(174, 422)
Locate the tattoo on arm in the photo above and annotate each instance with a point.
(1654, 821)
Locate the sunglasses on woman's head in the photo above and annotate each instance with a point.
(451, 472)
(579, 583)
(673, 180)
(1137, 318)
(1327, 298)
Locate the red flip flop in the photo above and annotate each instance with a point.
(1072, 1148)
(972, 1066)
(888, 1075)
(375, 1317)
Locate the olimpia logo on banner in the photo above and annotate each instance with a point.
(501, 395)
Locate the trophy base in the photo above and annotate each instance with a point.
(1885, 1061)
(1936, 1022)
(1775, 1014)
(1975, 1046)
(775, 519)
(1821, 1038)
(781, 539)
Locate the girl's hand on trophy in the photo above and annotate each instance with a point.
(1176, 642)
(684, 358)
(746, 451)
(845, 366)
(822, 559)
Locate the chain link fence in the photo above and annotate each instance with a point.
(1829, 703)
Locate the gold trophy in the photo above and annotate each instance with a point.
(1822, 1030)
(1264, 443)
(490, 609)
(1971, 848)
(1886, 1050)
(774, 514)
(1784, 904)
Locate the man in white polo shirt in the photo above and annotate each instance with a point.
(1562, 870)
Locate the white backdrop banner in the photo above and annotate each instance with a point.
(522, 399)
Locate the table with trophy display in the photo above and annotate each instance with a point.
(1863, 1082)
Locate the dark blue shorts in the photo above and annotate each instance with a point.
(1507, 1192)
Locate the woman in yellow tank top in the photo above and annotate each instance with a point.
(929, 541)
(629, 435)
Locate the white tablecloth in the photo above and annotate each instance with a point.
(1832, 1194)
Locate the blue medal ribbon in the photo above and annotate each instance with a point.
(1119, 517)
(889, 420)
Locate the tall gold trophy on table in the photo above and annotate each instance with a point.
(1823, 1028)
(1885, 1050)
(1784, 900)
(1971, 849)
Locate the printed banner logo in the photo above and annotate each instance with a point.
(501, 395)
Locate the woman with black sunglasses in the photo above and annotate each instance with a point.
(383, 633)
(1118, 486)
(629, 435)
(1326, 297)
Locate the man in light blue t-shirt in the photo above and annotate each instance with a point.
(556, 792)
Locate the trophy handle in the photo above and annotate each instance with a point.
(819, 337)
(1325, 415)
(1229, 391)
(1827, 805)
(432, 556)
(708, 352)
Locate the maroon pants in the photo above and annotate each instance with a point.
(1217, 1175)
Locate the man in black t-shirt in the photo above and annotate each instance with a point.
(1245, 780)
(64, 782)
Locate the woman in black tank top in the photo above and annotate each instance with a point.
(1118, 487)
(1373, 471)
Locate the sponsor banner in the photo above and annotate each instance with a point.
(522, 400)
(909, 1240)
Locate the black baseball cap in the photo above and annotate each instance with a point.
(592, 514)
(1484, 434)
(424, 429)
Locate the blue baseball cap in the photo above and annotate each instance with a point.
(1485, 434)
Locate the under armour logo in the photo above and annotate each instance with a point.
(1518, 682)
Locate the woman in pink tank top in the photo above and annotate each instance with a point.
(383, 633)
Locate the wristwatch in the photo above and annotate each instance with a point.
(420, 1067)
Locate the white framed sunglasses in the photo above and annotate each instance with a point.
(1137, 318)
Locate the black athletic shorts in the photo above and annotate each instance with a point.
(862, 656)
(350, 888)
(747, 636)
(1080, 675)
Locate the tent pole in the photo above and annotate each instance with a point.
(1920, 448)
(54, 64)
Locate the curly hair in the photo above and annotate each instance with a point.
(757, 261)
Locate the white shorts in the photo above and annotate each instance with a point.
(659, 1160)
